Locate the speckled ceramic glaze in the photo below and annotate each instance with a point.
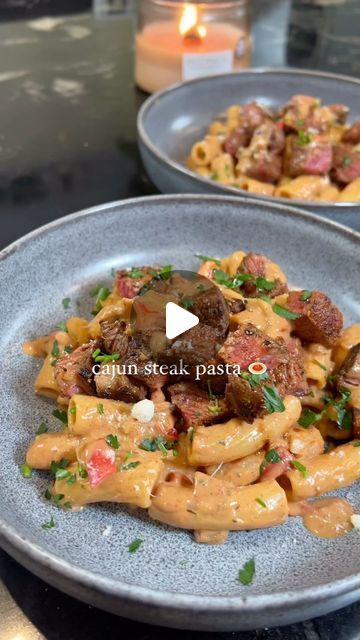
(171, 121)
(171, 580)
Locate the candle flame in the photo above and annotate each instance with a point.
(188, 25)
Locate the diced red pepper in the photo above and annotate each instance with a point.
(101, 462)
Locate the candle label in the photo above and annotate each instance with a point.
(197, 65)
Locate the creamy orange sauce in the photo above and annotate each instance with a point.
(329, 518)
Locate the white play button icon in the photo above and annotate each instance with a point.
(178, 320)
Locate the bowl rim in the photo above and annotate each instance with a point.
(21, 547)
(151, 101)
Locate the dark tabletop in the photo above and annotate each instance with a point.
(68, 141)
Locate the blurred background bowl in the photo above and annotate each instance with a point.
(171, 121)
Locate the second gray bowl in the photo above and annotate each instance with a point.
(171, 121)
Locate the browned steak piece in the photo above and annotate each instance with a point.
(140, 366)
(73, 373)
(196, 406)
(110, 384)
(211, 309)
(248, 344)
(236, 305)
(352, 136)
(237, 139)
(296, 383)
(114, 338)
(297, 110)
(285, 371)
(346, 164)
(320, 320)
(130, 281)
(307, 156)
(245, 400)
(196, 346)
(255, 264)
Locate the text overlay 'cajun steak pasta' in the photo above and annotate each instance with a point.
(303, 150)
(235, 424)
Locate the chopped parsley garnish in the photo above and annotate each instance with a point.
(130, 465)
(72, 410)
(82, 471)
(346, 161)
(55, 498)
(43, 428)
(135, 545)
(104, 357)
(266, 299)
(303, 138)
(357, 443)
(135, 273)
(272, 400)
(208, 259)
(343, 415)
(308, 417)
(101, 294)
(187, 303)
(157, 444)
(68, 349)
(100, 408)
(49, 525)
(320, 365)
(261, 503)
(265, 285)
(191, 432)
(214, 175)
(214, 407)
(60, 471)
(112, 441)
(55, 349)
(62, 326)
(235, 282)
(305, 295)
(67, 505)
(66, 303)
(300, 467)
(271, 457)
(254, 378)
(246, 574)
(60, 415)
(285, 313)
(165, 272)
(26, 470)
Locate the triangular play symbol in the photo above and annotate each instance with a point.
(178, 320)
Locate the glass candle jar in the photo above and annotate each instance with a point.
(178, 41)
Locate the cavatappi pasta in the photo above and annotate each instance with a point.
(304, 150)
(268, 420)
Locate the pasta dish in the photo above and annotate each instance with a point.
(305, 150)
(234, 425)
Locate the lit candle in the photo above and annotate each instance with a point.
(174, 51)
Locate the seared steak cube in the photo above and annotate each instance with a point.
(73, 373)
(307, 156)
(110, 384)
(352, 136)
(114, 338)
(196, 406)
(256, 265)
(130, 281)
(346, 164)
(248, 344)
(319, 319)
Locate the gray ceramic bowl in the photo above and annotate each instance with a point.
(171, 580)
(171, 121)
